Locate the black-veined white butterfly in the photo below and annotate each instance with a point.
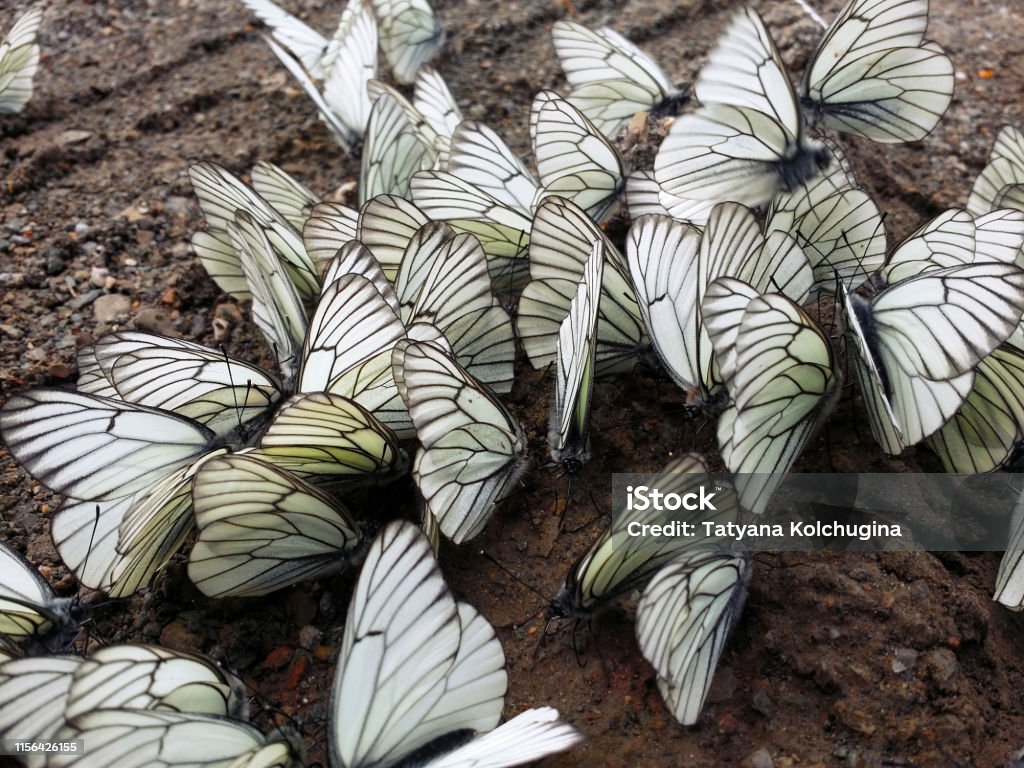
(837, 225)
(29, 609)
(410, 35)
(874, 75)
(618, 561)
(920, 339)
(1010, 578)
(672, 264)
(1001, 182)
(748, 141)
(610, 78)
(19, 60)
(435, 102)
(33, 693)
(421, 677)
(286, 194)
(683, 620)
(261, 528)
(569, 428)
(780, 372)
(134, 738)
(561, 242)
(473, 450)
(345, 64)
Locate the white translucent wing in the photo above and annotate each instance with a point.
(32, 696)
(435, 102)
(574, 159)
(999, 235)
(1005, 168)
(131, 738)
(782, 385)
(19, 60)
(983, 433)
(286, 195)
(873, 74)
(618, 562)
(745, 70)
(395, 149)
(529, 736)
(93, 448)
(348, 349)
(277, 308)
(421, 255)
(946, 241)
(610, 78)
(402, 637)
(150, 677)
(28, 606)
(325, 438)
(562, 239)
(643, 195)
(472, 448)
(262, 529)
(410, 35)
(569, 432)
(354, 258)
(480, 157)
(1010, 578)
(307, 45)
(194, 381)
(351, 65)
(386, 225)
(328, 227)
(683, 621)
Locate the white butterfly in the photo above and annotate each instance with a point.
(472, 448)
(285, 194)
(618, 562)
(683, 620)
(562, 239)
(1001, 182)
(421, 674)
(327, 228)
(569, 429)
(410, 35)
(610, 78)
(780, 372)
(19, 60)
(672, 264)
(33, 692)
(345, 64)
(837, 225)
(134, 738)
(1010, 578)
(262, 528)
(874, 75)
(29, 609)
(920, 339)
(747, 142)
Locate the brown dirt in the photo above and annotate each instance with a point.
(130, 92)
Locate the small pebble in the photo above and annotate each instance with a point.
(55, 264)
(84, 299)
(98, 276)
(309, 637)
(760, 758)
(109, 308)
(905, 659)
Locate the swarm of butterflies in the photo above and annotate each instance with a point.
(391, 327)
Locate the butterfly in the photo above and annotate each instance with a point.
(261, 528)
(999, 185)
(473, 450)
(421, 677)
(1010, 577)
(569, 430)
(610, 78)
(562, 240)
(410, 35)
(782, 379)
(33, 692)
(619, 561)
(748, 140)
(29, 609)
(139, 738)
(683, 620)
(836, 223)
(874, 75)
(344, 64)
(19, 60)
(921, 337)
(671, 265)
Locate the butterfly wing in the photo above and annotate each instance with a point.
(410, 35)
(19, 60)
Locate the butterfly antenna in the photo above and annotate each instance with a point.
(545, 599)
